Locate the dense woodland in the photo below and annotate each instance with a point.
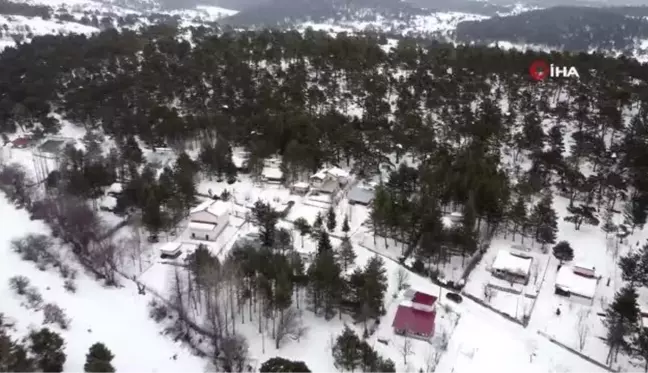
(480, 136)
(564, 27)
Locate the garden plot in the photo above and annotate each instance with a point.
(510, 297)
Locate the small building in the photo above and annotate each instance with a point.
(115, 189)
(272, 175)
(570, 282)
(585, 270)
(300, 188)
(21, 142)
(171, 250)
(512, 266)
(416, 317)
(208, 220)
(329, 180)
(108, 203)
(361, 195)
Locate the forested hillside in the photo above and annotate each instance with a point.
(564, 27)
(281, 12)
(479, 135)
(316, 99)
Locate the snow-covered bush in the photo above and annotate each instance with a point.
(157, 311)
(70, 286)
(19, 284)
(34, 297)
(53, 314)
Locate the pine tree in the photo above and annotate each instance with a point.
(345, 350)
(324, 242)
(563, 252)
(621, 320)
(581, 214)
(346, 252)
(319, 222)
(640, 346)
(634, 266)
(345, 225)
(325, 281)
(331, 219)
(545, 220)
(265, 217)
(518, 216)
(99, 359)
(303, 227)
(47, 349)
(279, 364)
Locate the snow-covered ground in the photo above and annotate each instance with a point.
(23, 29)
(441, 22)
(117, 317)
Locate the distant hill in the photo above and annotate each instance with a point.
(278, 12)
(565, 27)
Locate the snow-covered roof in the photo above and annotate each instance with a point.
(217, 208)
(361, 194)
(109, 202)
(506, 261)
(447, 222)
(569, 281)
(337, 172)
(334, 171)
(238, 161)
(319, 175)
(272, 173)
(116, 188)
(170, 248)
(417, 306)
(301, 185)
(201, 226)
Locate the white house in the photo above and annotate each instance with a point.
(208, 220)
(272, 174)
(300, 187)
(574, 284)
(329, 180)
(512, 266)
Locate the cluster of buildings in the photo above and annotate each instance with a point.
(578, 282)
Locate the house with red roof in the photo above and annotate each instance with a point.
(21, 142)
(416, 316)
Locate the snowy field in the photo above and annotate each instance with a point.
(118, 317)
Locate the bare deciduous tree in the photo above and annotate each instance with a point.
(233, 353)
(432, 359)
(406, 349)
(402, 279)
(53, 314)
(488, 293)
(289, 325)
(104, 257)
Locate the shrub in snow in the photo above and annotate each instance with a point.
(158, 311)
(66, 271)
(55, 315)
(99, 359)
(34, 297)
(35, 248)
(19, 284)
(47, 347)
(70, 286)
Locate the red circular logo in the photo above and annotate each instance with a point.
(539, 70)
